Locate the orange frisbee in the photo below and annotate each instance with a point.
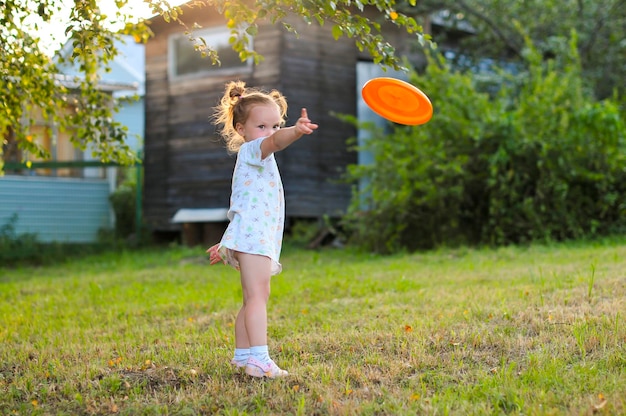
(397, 101)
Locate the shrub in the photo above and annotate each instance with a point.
(538, 160)
(26, 250)
(16, 248)
(123, 200)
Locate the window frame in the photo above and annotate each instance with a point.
(206, 34)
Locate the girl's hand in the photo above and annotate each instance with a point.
(215, 255)
(284, 137)
(304, 125)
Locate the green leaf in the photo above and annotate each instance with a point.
(337, 32)
(252, 30)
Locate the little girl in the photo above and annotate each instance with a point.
(252, 121)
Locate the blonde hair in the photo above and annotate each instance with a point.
(235, 106)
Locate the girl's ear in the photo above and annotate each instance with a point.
(239, 129)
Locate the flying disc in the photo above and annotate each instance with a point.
(397, 101)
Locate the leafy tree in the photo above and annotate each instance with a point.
(30, 83)
(29, 80)
(501, 25)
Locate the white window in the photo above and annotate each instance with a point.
(185, 61)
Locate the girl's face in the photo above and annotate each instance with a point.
(263, 120)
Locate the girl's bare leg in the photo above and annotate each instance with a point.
(256, 273)
(255, 282)
(241, 335)
(242, 345)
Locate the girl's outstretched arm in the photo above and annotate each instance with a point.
(284, 137)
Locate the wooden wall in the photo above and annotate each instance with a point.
(318, 73)
(187, 166)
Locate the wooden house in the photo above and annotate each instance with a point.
(186, 164)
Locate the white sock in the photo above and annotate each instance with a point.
(241, 355)
(260, 353)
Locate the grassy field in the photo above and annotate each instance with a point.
(535, 331)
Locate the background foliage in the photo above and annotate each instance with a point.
(540, 159)
(29, 80)
(495, 24)
(123, 200)
(25, 249)
(30, 83)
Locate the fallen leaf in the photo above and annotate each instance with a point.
(599, 406)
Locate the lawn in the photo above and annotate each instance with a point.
(534, 330)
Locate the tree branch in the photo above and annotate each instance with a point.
(586, 49)
(509, 42)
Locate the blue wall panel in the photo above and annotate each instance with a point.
(132, 115)
(56, 209)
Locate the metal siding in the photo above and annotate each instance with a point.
(56, 209)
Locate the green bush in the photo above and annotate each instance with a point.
(538, 160)
(123, 200)
(26, 250)
(16, 248)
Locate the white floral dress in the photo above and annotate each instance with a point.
(257, 208)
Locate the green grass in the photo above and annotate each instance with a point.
(538, 330)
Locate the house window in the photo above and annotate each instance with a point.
(185, 61)
(57, 142)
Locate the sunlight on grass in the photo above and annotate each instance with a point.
(536, 330)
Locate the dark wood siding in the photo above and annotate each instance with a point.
(156, 163)
(318, 73)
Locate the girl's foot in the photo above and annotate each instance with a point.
(256, 368)
(239, 365)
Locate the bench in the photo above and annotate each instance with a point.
(201, 225)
